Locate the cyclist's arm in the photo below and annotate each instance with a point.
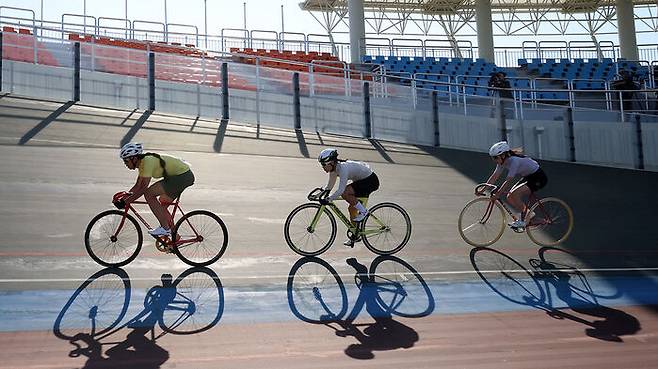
(505, 187)
(495, 175)
(342, 184)
(138, 189)
(332, 181)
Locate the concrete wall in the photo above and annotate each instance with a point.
(600, 136)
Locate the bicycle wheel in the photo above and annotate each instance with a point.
(198, 305)
(112, 250)
(316, 293)
(203, 238)
(386, 229)
(303, 239)
(97, 306)
(508, 278)
(481, 222)
(401, 290)
(552, 223)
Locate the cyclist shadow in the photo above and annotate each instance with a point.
(571, 288)
(380, 295)
(93, 311)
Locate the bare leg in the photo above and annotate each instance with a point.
(160, 212)
(351, 199)
(516, 196)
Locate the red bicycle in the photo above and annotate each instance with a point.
(114, 238)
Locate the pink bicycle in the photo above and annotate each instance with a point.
(482, 221)
(114, 238)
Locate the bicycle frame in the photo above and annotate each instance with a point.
(532, 199)
(178, 242)
(359, 231)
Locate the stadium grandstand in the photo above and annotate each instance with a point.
(392, 67)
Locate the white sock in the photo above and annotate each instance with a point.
(359, 206)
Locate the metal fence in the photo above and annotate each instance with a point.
(371, 107)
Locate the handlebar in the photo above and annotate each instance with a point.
(317, 194)
(482, 187)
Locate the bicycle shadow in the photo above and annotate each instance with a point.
(572, 290)
(191, 303)
(316, 294)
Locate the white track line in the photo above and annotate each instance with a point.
(350, 275)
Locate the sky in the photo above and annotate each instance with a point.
(260, 14)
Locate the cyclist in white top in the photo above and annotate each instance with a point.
(516, 164)
(364, 182)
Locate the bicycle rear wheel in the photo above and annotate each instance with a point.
(304, 239)
(109, 247)
(198, 305)
(201, 238)
(386, 229)
(552, 223)
(481, 222)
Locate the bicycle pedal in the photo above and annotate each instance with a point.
(518, 229)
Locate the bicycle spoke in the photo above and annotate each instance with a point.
(552, 222)
(203, 237)
(304, 240)
(198, 305)
(110, 245)
(387, 228)
(315, 292)
(481, 223)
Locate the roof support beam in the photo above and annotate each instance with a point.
(626, 27)
(484, 30)
(357, 29)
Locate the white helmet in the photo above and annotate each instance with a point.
(130, 149)
(499, 148)
(327, 155)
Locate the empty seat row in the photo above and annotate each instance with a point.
(20, 45)
(597, 71)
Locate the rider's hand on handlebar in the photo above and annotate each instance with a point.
(120, 204)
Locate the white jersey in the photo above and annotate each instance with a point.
(346, 170)
(515, 165)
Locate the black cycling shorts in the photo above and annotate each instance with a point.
(366, 186)
(174, 185)
(535, 181)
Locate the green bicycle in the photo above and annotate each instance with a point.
(310, 229)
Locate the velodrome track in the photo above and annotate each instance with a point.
(591, 303)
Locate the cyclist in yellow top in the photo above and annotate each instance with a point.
(176, 174)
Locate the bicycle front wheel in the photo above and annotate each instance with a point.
(96, 307)
(386, 229)
(481, 222)
(201, 238)
(552, 223)
(306, 237)
(113, 238)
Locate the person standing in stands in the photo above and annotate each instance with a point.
(627, 86)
